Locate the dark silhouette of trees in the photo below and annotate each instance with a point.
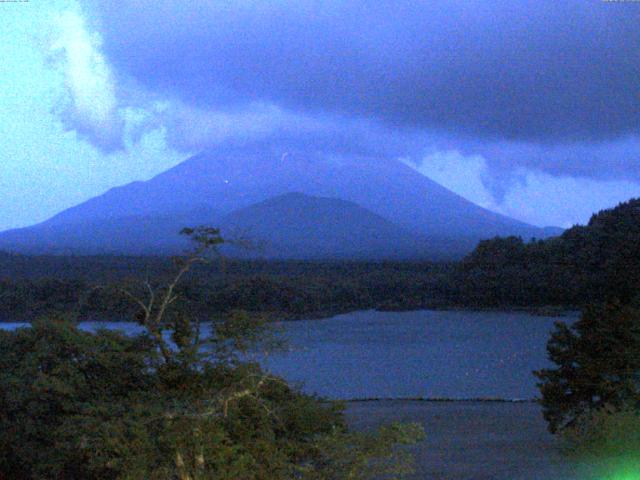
(597, 365)
(585, 264)
(171, 403)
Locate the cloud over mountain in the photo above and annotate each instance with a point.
(516, 70)
(91, 108)
(531, 90)
(523, 83)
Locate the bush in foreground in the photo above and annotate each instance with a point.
(592, 397)
(597, 365)
(169, 404)
(605, 433)
(79, 405)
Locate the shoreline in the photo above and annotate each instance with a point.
(438, 400)
(548, 311)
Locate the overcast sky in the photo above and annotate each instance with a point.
(530, 108)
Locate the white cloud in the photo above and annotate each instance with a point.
(93, 108)
(192, 128)
(532, 196)
(464, 175)
(545, 199)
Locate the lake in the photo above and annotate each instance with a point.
(417, 354)
(481, 441)
(426, 354)
(432, 354)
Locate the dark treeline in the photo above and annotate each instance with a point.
(585, 264)
(171, 403)
(33, 286)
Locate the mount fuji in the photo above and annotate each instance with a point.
(297, 205)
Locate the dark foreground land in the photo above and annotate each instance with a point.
(476, 440)
(585, 264)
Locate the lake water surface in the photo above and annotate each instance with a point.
(482, 441)
(432, 354)
(427, 354)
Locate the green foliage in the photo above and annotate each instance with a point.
(52, 373)
(289, 290)
(77, 405)
(606, 433)
(597, 365)
(585, 264)
(169, 404)
(365, 456)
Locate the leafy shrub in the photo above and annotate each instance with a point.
(169, 404)
(597, 365)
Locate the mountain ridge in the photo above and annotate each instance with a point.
(211, 185)
(299, 226)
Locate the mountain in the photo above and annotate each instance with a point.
(299, 226)
(131, 235)
(293, 226)
(142, 217)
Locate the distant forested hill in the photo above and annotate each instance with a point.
(592, 262)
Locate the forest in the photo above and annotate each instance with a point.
(586, 264)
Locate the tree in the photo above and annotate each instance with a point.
(171, 403)
(598, 366)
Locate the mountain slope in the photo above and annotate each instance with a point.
(299, 226)
(130, 235)
(294, 226)
(224, 182)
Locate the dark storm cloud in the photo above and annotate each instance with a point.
(542, 71)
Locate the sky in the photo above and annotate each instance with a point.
(529, 108)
